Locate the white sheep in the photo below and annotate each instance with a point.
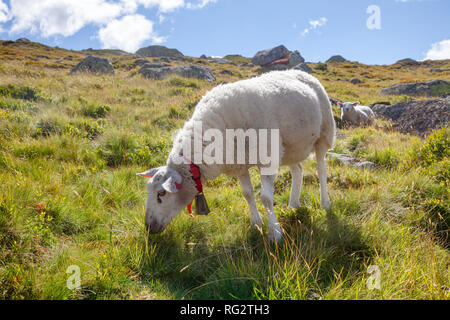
(354, 114)
(292, 101)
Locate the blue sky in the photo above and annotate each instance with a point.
(415, 29)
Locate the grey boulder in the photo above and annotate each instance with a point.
(418, 116)
(430, 89)
(158, 51)
(186, 71)
(337, 59)
(264, 57)
(356, 81)
(408, 62)
(303, 67)
(221, 61)
(95, 65)
(295, 59)
(351, 162)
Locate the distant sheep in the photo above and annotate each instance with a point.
(292, 101)
(356, 115)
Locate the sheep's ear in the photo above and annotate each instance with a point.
(149, 173)
(340, 104)
(356, 103)
(173, 183)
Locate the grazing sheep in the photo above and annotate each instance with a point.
(292, 101)
(354, 114)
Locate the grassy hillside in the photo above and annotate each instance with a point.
(69, 150)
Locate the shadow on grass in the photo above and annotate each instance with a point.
(188, 262)
(343, 250)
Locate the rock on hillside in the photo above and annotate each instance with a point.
(265, 57)
(337, 58)
(421, 116)
(158, 51)
(93, 65)
(350, 161)
(106, 52)
(408, 62)
(434, 88)
(221, 61)
(278, 58)
(186, 71)
(295, 59)
(303, 67)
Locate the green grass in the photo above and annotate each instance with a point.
(70, 196)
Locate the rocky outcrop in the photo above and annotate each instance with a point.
(350, 161)
(279, 58)
(303, 67)
(337, 59)
(186, 71)
(94, 65)
(418, 117)
(438, 70)
(247, 64)
(434, 88)
(158, 51)
(221, 61)
(356, 81)
(23, 40)
(266, 57)
(226, 72)
(295, 59)
(140, 62)
(408, 62)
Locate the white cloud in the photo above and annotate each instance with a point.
(117, 21)
(439, 51)
(60, 17)
(318, 23)
(128, 33)
(200, 5)
(314, 24)
(4, 12)
(162, 5)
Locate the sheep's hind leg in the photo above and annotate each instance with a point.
(247, 192)
(275, 233)
(321, 152)
(297, 179)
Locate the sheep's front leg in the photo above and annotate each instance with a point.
(297, 179)
(275, 233)
(247, 192)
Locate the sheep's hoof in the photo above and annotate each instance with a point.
(256, 221)
(294, 205)
(326, 205)
(275, 235)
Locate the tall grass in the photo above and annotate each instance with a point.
(70, 196)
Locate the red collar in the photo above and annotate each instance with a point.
(195, 172)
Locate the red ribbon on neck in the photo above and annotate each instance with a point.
(195, 172)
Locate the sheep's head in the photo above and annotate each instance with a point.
(166, 197)
(348, 106)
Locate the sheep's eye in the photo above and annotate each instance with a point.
(161, 194)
